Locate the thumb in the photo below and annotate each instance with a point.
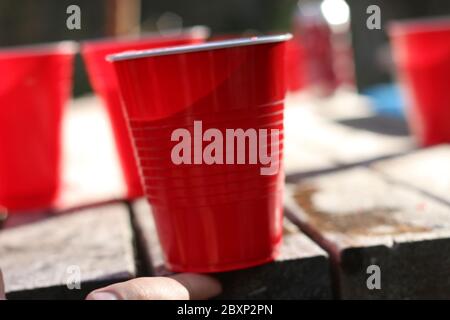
(177, 287)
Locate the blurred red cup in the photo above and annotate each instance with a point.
(103, 80)
(421, 52)
(34, 87)
(295, 72)
(209, 217)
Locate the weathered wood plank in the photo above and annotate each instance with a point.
(391, 126)
(300, 272)
(147, 238)
(3, 217)
(362, 220)
(427, 170)
(342, 105)
(38, 260)
(91, 170)
(299, 156)
(336, 144)
(299, 159)
(346, 145)
(12, 220)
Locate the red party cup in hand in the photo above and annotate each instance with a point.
(207, 124)
(103, 80)
(34, 87)
(421, 51)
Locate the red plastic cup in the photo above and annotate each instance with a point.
(34, 87)
(210, 217)
(422, 55)
(103, 80)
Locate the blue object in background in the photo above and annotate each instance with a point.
(386, 99)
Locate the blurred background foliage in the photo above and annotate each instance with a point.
(32, 21)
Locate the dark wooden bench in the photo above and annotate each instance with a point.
(363, 218)
(355, 201)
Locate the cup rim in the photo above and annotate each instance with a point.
(419, 25)
(198, 31)
(40, 49)
(213, 45)
(61, 47)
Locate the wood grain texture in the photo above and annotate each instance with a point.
(39, 259)
(91, 170)
(427, 170)
(300, 272)
(299, 155)
(3, 217)
(362, 219)
(150, 251)
(314, 143)
(12, 220)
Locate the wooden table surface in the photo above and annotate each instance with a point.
(359, 194)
